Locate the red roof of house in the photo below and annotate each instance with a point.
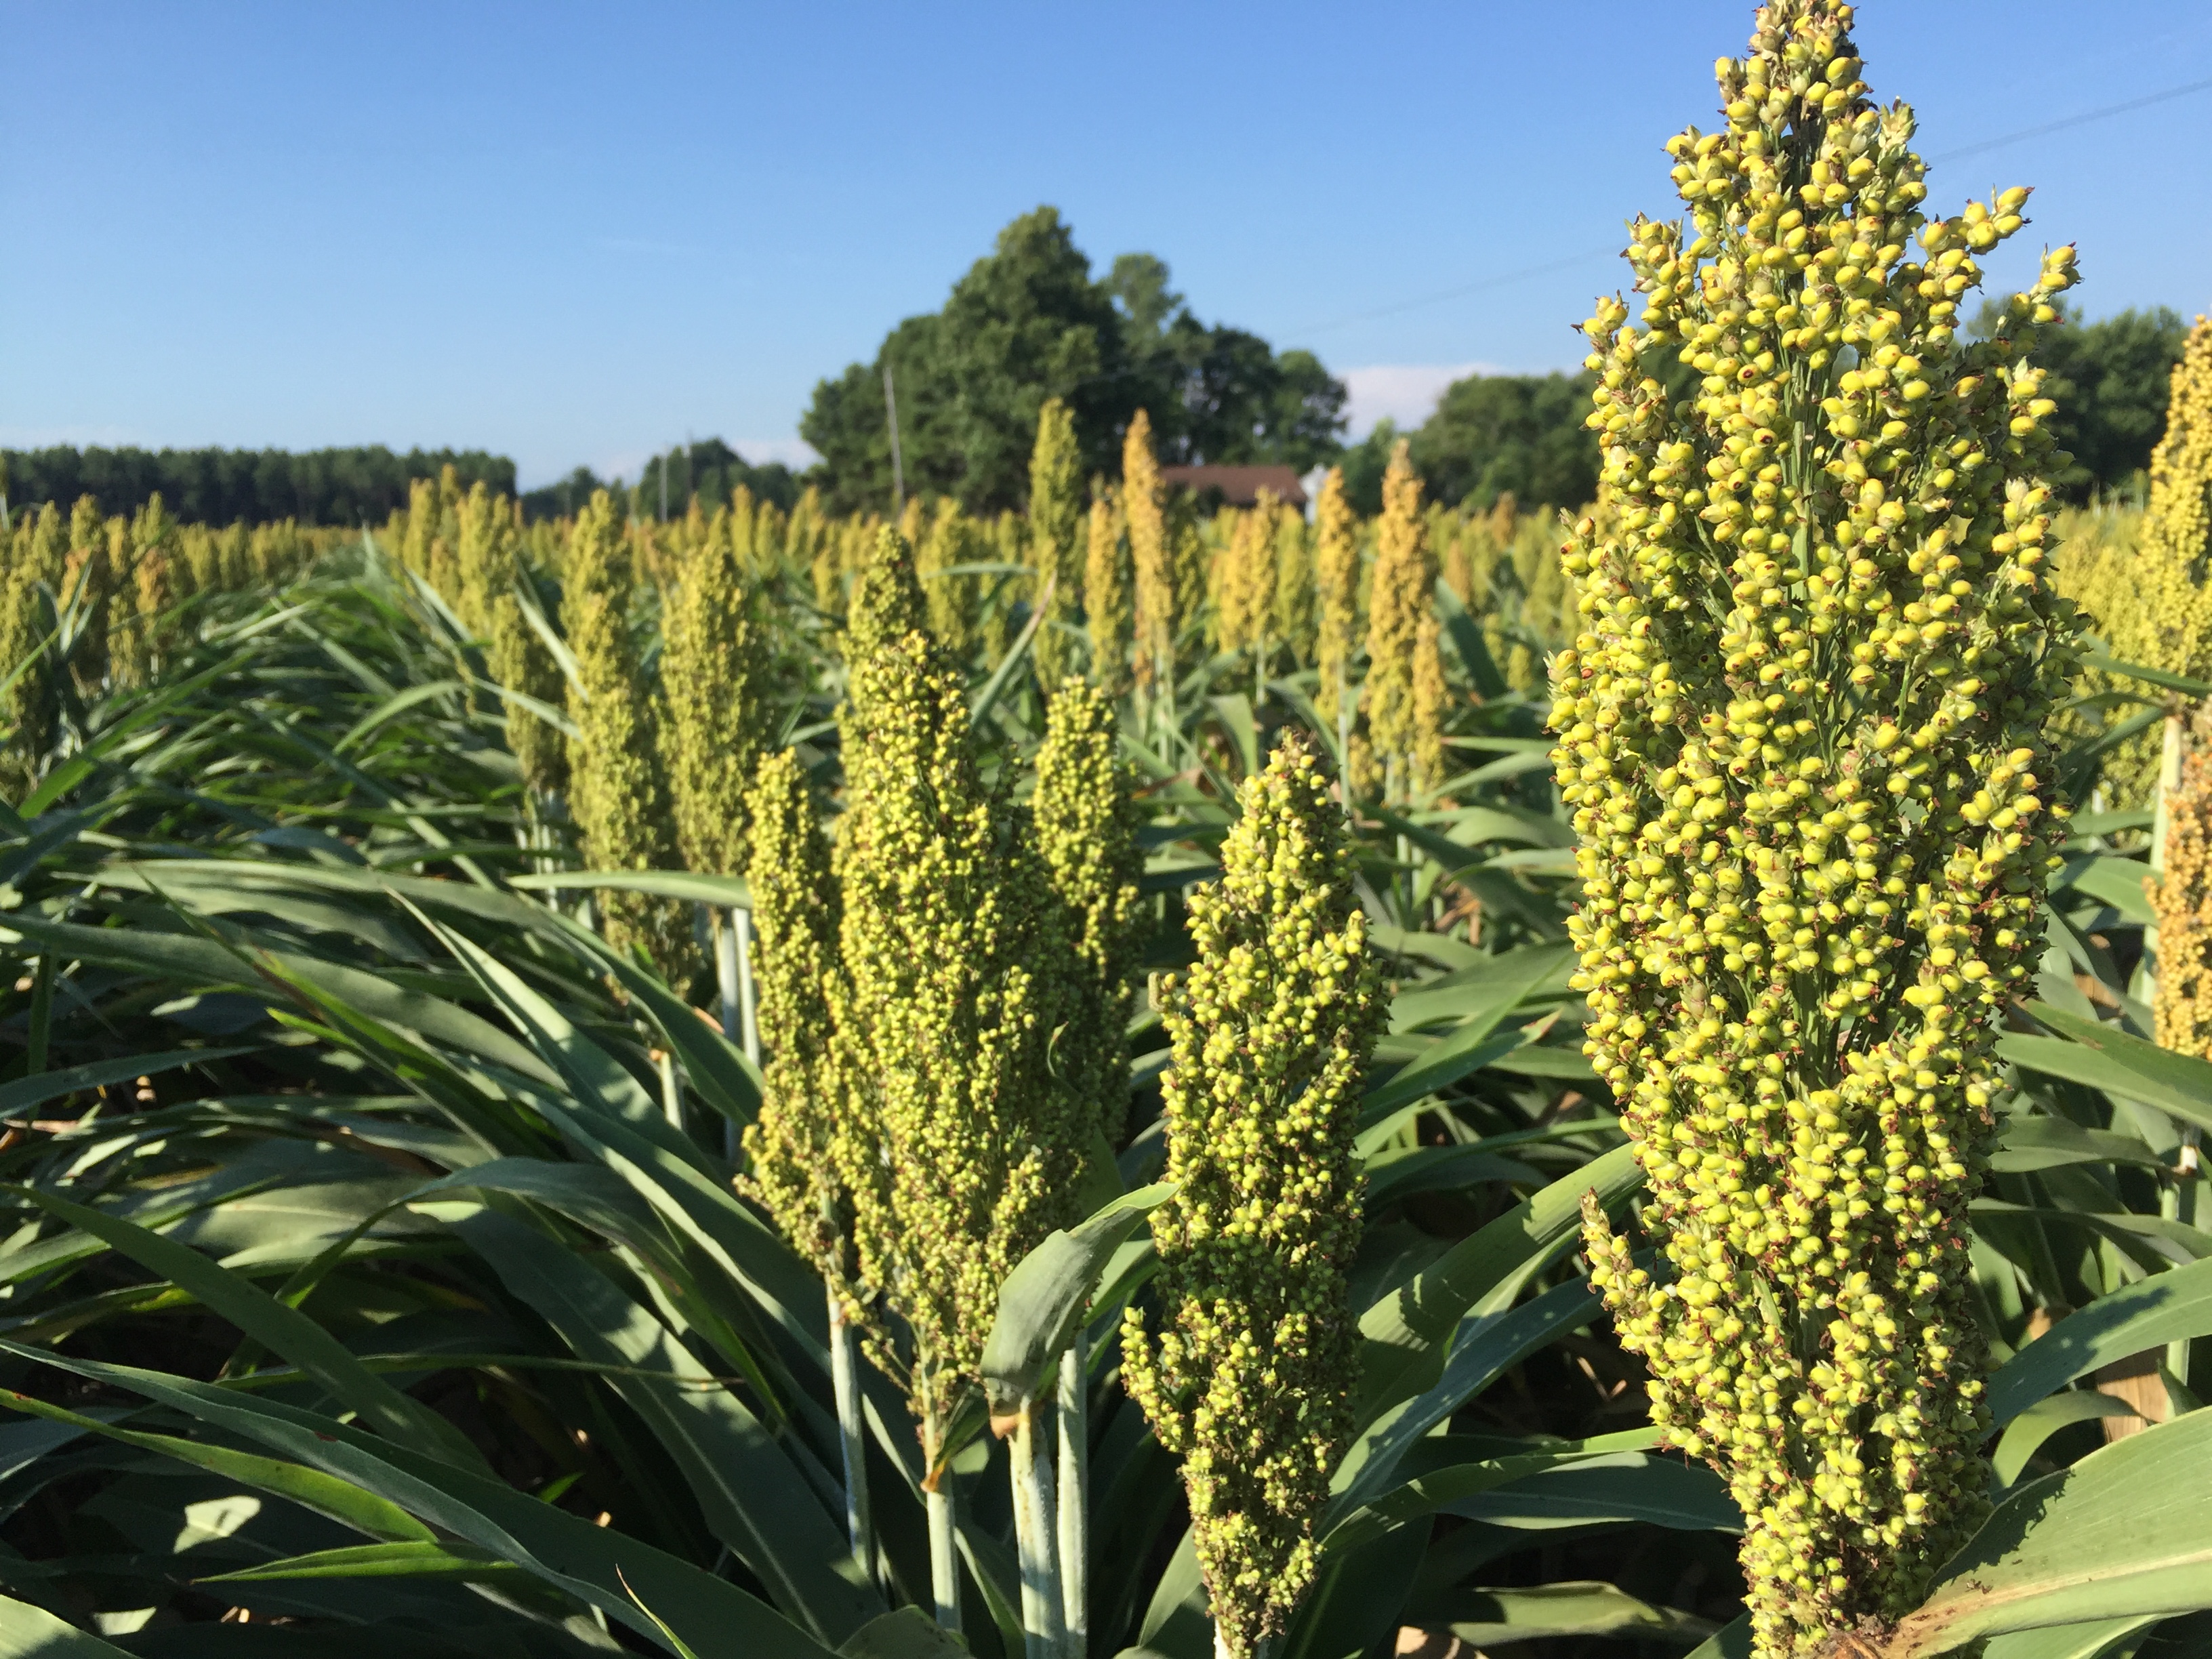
(1240, 486)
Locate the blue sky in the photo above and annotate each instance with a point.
(578, 232)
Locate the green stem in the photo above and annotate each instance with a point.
(844, 1378)
(1035, 1510)
(1075, 1497)
(944, 1536)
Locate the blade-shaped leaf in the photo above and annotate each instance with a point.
(420, 1560)
(1491, 1617)
(2126, 1533)
(598, 1564)
(280, 1328)
(2165, 1307)
(1403, 1336)
(755, 1501)
(1482, 1349)
(2104, 1057)
(1042, 1302)
(29, 1632)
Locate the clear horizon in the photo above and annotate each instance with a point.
(574, 235)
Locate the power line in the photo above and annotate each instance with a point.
(1572, 260)
(2082, 119)
(1462, 291)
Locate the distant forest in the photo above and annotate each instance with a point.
(967, 408)
(225, 486)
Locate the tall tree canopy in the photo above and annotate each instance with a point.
(2110, 379)
(1522, 434)
(1028, 321)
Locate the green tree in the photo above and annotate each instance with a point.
(1220, 394)
(1522, 434)
(1028, 322)
(2110, 379)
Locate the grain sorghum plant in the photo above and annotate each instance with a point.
(31, 707)
(951, 991)
(1056, 531)
(1403, 671)
(1801, 733)
(1294, 584)
(1086, 820)
(617, 793)
(2161, 615)
(716, 676)
(803, 1136)
(1106, 595)
(1150, 557)
(1248, 1380)
(1336, 582)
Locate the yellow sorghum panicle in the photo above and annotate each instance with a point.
(29, 706)
(1245, 581)
(143, 640)
(45, 542)
(2181, 896)
(948, 602)
(195, 565)
(1151, 558)
(802, 1136)
(1055, 537)
(1294, 584)
(2163, 614)
(485, 562)
(1086, 822)
(1801, 734)
(1403, 597)
(952, 991)
(1106, 596)
(1431, 704)
(617, 793)
(517, 659)
(1249, 1378)
(716, 674)
(1336, 582)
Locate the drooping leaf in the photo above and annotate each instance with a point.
(2126, 1533)
(1044, 1300)
(2165, 1307)
(1403, 1336)
(280, 1328)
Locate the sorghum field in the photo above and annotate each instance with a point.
(1139, 1079)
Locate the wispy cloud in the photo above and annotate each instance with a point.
(1404, 392)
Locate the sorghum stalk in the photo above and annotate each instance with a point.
(1404, 714)
(716, 675)
(1336, 578)
(1086, 828)
(1150, 560)
(805, 1133)
(1056, 547)
(2163, 617)
(1249, 1378)
(1106, 579)
(944, 1018)
(1802, 736)
(617, 793)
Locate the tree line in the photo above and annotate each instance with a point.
(1031, 320)
(358, 485)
